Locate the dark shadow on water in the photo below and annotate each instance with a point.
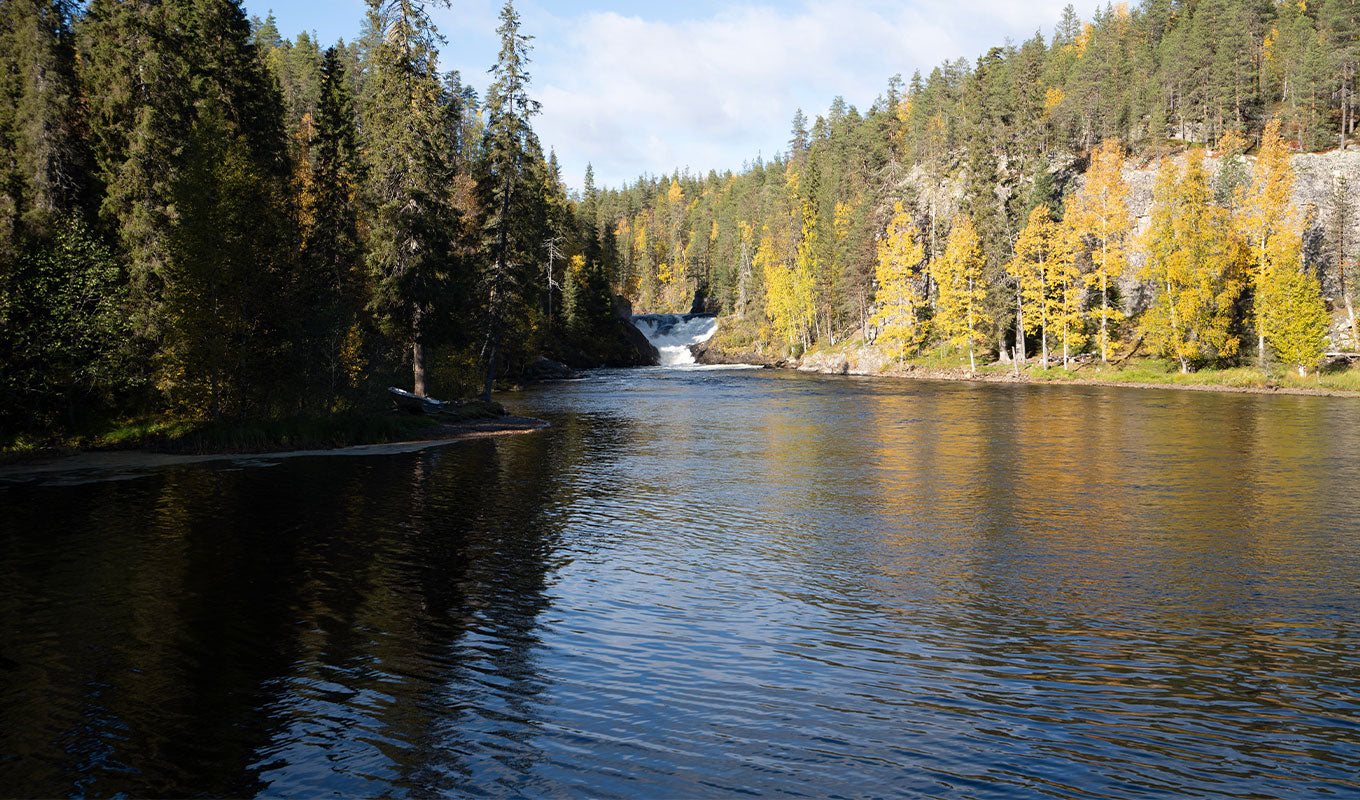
(319, 626)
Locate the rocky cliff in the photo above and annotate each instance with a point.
(1318, 178)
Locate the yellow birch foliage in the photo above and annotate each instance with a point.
(899, 253)
(1190, 264)
(962, 288)
(1101, 214)
(1268, 222)
(1296, 319)
(788, 293)
(1031, 267)
(1065, 310)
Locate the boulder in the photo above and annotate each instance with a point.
(633, 348)
(545, 369)
(825, 363)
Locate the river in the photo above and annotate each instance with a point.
(712, 583)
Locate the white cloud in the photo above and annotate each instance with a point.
(634, 95)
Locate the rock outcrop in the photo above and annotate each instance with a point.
(634, 350)
(1317, 178)
(714, 352)
(866, 360)
(545, 369)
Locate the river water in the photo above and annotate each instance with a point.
(710, 584)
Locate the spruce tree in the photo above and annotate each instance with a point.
(228, 326)
(510, 239)
(408, 172)
(332, 251)
(798, 136)
(44, 163)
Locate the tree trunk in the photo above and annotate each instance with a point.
(1019, 328)
(1043, 317)
(490, 374)
(744, 277)
(1350, 315)
(1260, 321)
(1343, 112)
(417, 355)
(1104, 319)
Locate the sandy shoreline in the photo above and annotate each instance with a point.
(132, 462)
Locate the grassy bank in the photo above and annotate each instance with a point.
(1338, 379)
(189, 437)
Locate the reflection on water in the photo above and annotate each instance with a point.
(705, 583)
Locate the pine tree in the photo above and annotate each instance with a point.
(1339, 21)
(1101, 215)
(229, 334)
(1341, 213)
(807, 268)
(228, 324)
(961, 278)
(899, 302)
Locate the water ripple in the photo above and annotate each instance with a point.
(713, 584)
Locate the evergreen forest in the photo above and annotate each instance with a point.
(202, 219)
(985, 207)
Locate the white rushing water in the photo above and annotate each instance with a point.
(674, 334)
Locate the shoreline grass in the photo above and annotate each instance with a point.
(1340, 379)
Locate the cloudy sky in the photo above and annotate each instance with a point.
(637, 87)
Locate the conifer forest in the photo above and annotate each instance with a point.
(203, 218)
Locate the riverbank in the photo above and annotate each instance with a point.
(399, 434)
(1337, 379)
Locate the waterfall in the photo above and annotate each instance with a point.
(674, 334)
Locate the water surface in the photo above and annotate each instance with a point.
(712, 583)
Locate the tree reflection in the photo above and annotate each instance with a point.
(325, 625)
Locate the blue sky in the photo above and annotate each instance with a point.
(639, 87)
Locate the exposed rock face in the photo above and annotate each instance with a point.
(866, 360)
(1317, 176)
(634, 349)
(825, 363)
(713, 352)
